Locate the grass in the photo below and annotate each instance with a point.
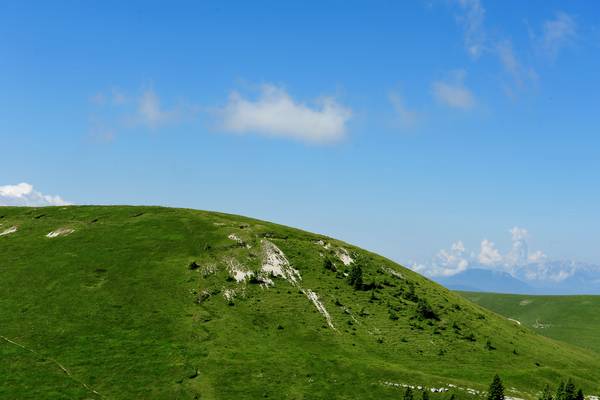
(116, 303)
(571, 319)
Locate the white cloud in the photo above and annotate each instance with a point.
(453, 93)
(553, 271)
(446, 262)
(23, 194)
(518, 254)
(534, 268)
(489, 254)
(472, 21)
(276, 113)
(515, 261)
(557, 33)
(150, 112)
(536, 257)
(518, 234)
(408, 118)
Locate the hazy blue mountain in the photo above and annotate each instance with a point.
(485, 280)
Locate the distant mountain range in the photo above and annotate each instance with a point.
(548, 277)
(485, 280)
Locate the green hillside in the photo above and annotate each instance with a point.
(571, 319)
(159, 303)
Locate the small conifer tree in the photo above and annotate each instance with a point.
(570, 390)
(496, 391)
(408, 394)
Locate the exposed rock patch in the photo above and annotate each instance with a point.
(60, 232)
(276, 263)
(229, 294)
(238, 239)
(312, 296)
(237, 270)
(344, 256)
(394, 273)
(8, 231)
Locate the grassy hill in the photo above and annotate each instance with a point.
(571, 319)
(159, 303)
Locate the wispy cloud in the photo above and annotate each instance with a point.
(472, 20)
(521, 75)
(557, 33)
(453, 92)
(23, 194)
(275, 113)
(478, 43)
(115, 96)
(407, 117)
(115, 111)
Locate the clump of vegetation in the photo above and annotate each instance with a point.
(470, 337)
(546, 393)
(496, 390)
(425, 311)
(564, 391)
(409, 293)
(329, 265)
(355, 279)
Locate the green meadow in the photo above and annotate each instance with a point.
(570, 319)
(159, 303)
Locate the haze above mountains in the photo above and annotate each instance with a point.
(583, 279)
(519, 270)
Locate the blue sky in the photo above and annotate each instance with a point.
(403, 127)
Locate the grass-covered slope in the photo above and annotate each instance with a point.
(572, 319)
(158, 303)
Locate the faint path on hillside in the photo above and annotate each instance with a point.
(62, 367)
